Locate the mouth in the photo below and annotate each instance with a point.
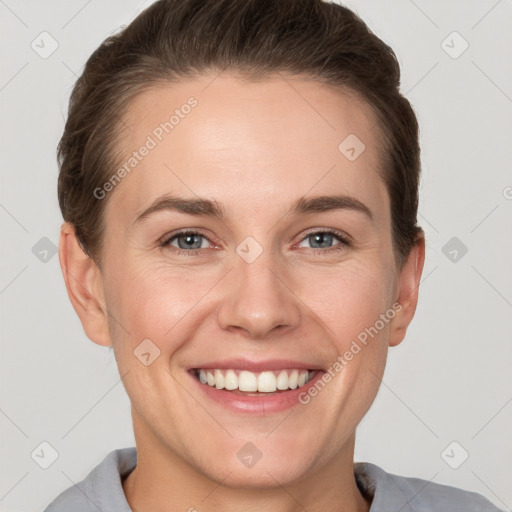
(243, 386)
(247, 383)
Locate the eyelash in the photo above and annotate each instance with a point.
(343, 238)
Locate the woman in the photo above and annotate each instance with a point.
(239, 184)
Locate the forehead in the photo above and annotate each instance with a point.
(248, 144)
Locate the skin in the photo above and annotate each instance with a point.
(255, 148)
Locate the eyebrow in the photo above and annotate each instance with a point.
(211, 208)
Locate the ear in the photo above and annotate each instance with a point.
(84, 285)
(407, 292)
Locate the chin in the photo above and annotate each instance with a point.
(263, 464)
(269, 474)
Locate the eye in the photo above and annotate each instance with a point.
(187, 241)
(323, 240)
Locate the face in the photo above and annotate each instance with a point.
(273, 253)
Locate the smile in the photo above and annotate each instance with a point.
(244, 381)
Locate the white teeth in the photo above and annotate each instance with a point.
(230, 380)
(247, 381)
(292, 379)
(267, 382)
(282, 380)
(219, 379)
(264, 382)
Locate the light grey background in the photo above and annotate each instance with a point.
(450, 380)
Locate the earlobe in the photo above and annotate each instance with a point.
(84, 286)
(408, 290)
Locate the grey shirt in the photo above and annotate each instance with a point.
(101, 490)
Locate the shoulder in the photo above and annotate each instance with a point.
(408, 494)
(101, 489)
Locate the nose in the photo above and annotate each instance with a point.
(258, 299)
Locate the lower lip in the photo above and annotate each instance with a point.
(257, 404)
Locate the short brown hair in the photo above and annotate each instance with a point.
(175, 39)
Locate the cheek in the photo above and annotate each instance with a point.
(355, 309)
(159, 305)
(154, 302)
(355, 305)
(349, 299)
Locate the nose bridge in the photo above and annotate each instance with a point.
(258, 298)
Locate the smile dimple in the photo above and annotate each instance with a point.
(262, 382)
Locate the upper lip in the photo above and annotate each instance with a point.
(255, 366)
